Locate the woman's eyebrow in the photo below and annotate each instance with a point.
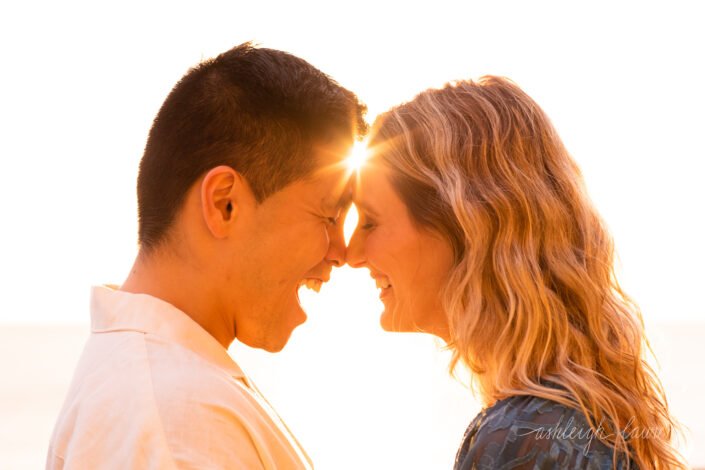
(360, 203)
(365, 207)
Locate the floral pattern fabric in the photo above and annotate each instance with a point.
(528, 432)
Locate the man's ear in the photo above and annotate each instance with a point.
(221, 193)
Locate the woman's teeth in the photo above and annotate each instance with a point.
(382, 283)
(313, 284)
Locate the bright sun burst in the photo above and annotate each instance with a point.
(357, 157)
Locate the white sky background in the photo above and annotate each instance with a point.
(81, 83)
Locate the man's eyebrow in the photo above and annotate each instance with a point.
(344, 201)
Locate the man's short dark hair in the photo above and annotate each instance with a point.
(259, 111)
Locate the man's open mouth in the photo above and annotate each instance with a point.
(312, 283)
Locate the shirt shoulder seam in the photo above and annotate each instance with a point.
(154, 401)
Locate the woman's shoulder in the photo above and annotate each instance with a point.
(526, 432)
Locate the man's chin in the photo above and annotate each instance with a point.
(273, 348)
(273, 343)
(270, 344)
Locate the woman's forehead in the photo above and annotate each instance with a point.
(371, 187)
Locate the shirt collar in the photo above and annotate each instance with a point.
(115, 310)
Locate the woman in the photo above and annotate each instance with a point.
(476, 225)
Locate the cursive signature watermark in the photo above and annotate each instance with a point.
(582, 432)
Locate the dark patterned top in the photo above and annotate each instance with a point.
(528, 432)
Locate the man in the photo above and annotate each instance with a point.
(240, 191)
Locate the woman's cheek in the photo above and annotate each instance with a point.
(372, 248)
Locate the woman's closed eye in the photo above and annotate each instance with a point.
(366, 224)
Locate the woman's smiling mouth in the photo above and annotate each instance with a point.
(383, 283)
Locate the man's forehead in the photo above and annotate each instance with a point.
(340, 197)
(332, 176)
(333, 152)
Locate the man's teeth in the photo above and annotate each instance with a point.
(382, 283)
(313, 284)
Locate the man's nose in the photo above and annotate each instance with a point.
(336, 246)
(355, 256)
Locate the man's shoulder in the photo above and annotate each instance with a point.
(108, 408)
(131, 367)
(205, 410)
(140, 393)
(182, 378)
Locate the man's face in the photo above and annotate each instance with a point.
(294, 236)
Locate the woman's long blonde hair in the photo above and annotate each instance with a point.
(533, 295)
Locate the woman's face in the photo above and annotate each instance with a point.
(409, 263)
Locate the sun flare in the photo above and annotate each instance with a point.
(357, 157)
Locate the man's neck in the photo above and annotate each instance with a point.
(175, 282)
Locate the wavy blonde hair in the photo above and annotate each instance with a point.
(533, 295)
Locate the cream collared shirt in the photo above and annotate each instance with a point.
(154, 390)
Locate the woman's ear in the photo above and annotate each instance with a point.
(221, 190)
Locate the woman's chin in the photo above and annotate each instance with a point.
(392, 323)
(385, 321)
